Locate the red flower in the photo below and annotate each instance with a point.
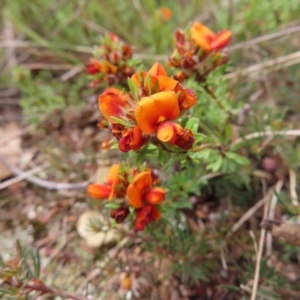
(119, 214)
(145, 216)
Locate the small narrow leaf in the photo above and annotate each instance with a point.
(120, 121)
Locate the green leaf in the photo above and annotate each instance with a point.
(228, 133)
(36, 263)
(216, 165)
(241, 160)
(192, 124)
(169, 165)
(133, 89)
(2, 263)
(198, 137)
(120, 121)
(148, 83)
(112, 205)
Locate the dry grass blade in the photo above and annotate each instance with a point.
(261, 243)
(264, 38)
(49, 185)
(249, 214)
(260, 134)
(22, 176)
(267, 67)
(271, 215)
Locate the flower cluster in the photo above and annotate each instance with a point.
(199, 51)
(148, 111)
(111, 62)
(138, 191)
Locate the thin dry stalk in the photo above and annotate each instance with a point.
(22, 176)
(271, 215)
(262, 239)
(293, 185)
(275, 35)
(249, 214)
(49, 185)
(254, 135)
(268, 66)
(258, 257)
(252, 235)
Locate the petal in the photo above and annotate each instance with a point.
(156, 108)
(185, 139)
(99, 191)
(165, 131)
(137, 76)
(157, 69)
(135, 190)
(221, 40)
(93, 66)
(155, 196)
(139, 226)
(154, 214)
(137, 141)
(142, 214)
(143, 180)
(119, 214)
(134, 195)
(201, 35)
(111, 104)
(113, 37)
(203, 30)
(113, 174)
(166, 83)
(186, 99)
(123, 144)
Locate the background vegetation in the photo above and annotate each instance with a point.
(210, 244)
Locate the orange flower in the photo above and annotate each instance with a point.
(160, 82)
(150, 111)
(165, 13)
(145, 216)
(112, 103)
(135, 190)
(154, 113)
(207, 40)
(141, 191)
(155, 196)
(109, 189)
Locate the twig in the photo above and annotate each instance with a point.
(44, 289)
(271, 215)
(258, 259)
(49, 185)
(261, 243)
(40, 66)
(254, 135)
(111, 255)
(258, 69)
(265, 38)
(69, 74)
(251, 233)
(249, 214)
(22, 176)
(293, 185)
